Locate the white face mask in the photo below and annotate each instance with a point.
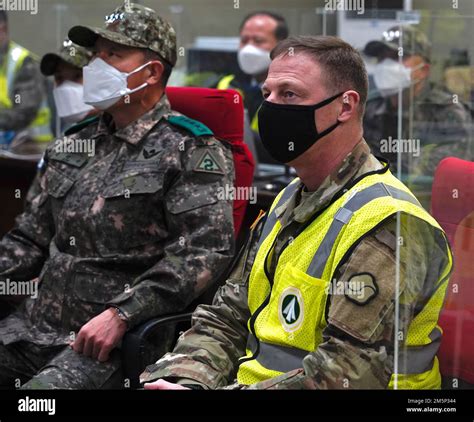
(69, 101)
(104, 85)
(253, 60)
(390, 76)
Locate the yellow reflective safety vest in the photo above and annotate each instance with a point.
(225, 83)
(288, 312)
(39, 129)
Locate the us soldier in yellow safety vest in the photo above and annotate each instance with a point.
(341, 283)
(25, 117)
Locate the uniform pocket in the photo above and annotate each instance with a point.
(57, 184)
(188, 201)
(295, 313)
(134, 182)
(130, 215)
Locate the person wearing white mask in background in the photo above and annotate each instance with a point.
(259, 33)
(66, 68)
(434, 125)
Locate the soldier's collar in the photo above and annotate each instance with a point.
(332, 184)
(425, 92)
(137, 130)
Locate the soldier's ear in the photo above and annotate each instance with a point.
(350, 105)
(156, 69)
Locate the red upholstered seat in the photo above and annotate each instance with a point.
(223, 112)
(453, 207)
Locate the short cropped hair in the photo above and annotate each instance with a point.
(343, 66)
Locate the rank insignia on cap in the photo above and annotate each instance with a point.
(361, 289)
(208, 164)
(114, 17)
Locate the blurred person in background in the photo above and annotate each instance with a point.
(25, 117)
(434, 126)
(259, 33)
(66, 68)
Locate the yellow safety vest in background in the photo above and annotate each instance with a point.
(39, 129)
(303, 274)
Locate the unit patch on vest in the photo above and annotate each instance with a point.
(208, 163)
(361, 288)
(291, 309)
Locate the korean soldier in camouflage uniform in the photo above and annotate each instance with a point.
(430, 113)
(357, 346)
(118, 237)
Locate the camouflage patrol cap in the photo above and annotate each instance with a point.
(414, 42)
(132, 25)
(69, 52)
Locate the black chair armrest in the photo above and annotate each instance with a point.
(134, 342)
(146, 329)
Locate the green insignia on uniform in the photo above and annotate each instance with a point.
(361, 289)
(290, 309)
(81, 125)
(193, 126)
(208, 164)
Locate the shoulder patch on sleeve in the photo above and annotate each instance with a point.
(362, 296)
(361, 288)
(193, 126)
(208, 162)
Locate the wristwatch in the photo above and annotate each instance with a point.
(120, 314)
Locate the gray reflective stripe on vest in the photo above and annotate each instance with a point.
(419, 359)
(344, 215)
(277, 358)
(412, 360)
(272, 219)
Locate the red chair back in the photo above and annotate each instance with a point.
(453, 207)
(223, 112)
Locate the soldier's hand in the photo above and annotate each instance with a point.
(164, 385)
(100, 335)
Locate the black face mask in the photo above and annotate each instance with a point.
(287, 131)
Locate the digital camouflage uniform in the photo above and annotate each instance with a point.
(138, 225)
(442, 125)
(358, 343)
